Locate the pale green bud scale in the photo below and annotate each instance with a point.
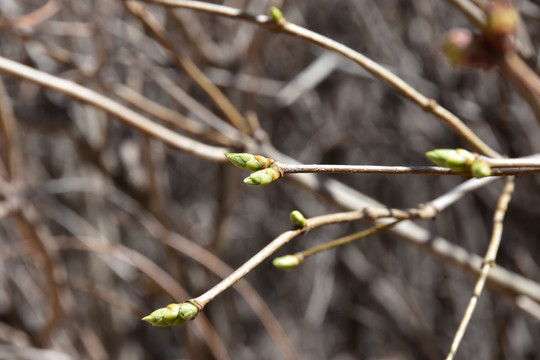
(480, 169)
(188, 311)
(167, 316)
(263, 177)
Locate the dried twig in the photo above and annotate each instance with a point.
(489, 262)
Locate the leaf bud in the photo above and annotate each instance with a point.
(275, 14)
(458, 160)
(249, 162)
(501, 24)
(263, 177)
(297, 218)
(167, 316)
(287, 262)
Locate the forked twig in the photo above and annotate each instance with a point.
(488, 263)
(425, 211)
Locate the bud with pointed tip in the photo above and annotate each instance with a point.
(287, 262)
(297, 218)
(263, 177)
(167, 316)
(480, 168)
(458, 160)
(249, 162)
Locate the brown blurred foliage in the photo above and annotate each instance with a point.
(89, 201)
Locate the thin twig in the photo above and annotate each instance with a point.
(170, 116)
(528, 161)
(346, 239)
(161, 277)
(9, 146)
(427, 104)
(243, 270)
(426, 211)
(402, 170)
(489, 262)
(36, 238)
(179, 243)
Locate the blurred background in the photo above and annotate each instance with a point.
(101, 224)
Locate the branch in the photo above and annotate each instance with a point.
(283, 26)
(112, 107)
(489, 262)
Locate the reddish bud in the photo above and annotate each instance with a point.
(463, 49)
(501, 25)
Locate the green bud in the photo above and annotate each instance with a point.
(297, 218)
(249, 162)
(263, 177)
(275, 14)
(458, 160)
(287, 262)
(480, 168)
(167, 316)
(188, 311)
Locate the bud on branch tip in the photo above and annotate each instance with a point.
(173, 314)
(460, 161)
(167, 316)
(263, 177)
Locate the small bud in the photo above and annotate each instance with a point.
(480, 168)
(438, 156)
(263, 177)
(456, 43)
(167, 316)
(249, 162)
(458, 160)
(463, 49)
(501, 24)
(287, 262)
(188, 311)
(297, 218)
(275, 14)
